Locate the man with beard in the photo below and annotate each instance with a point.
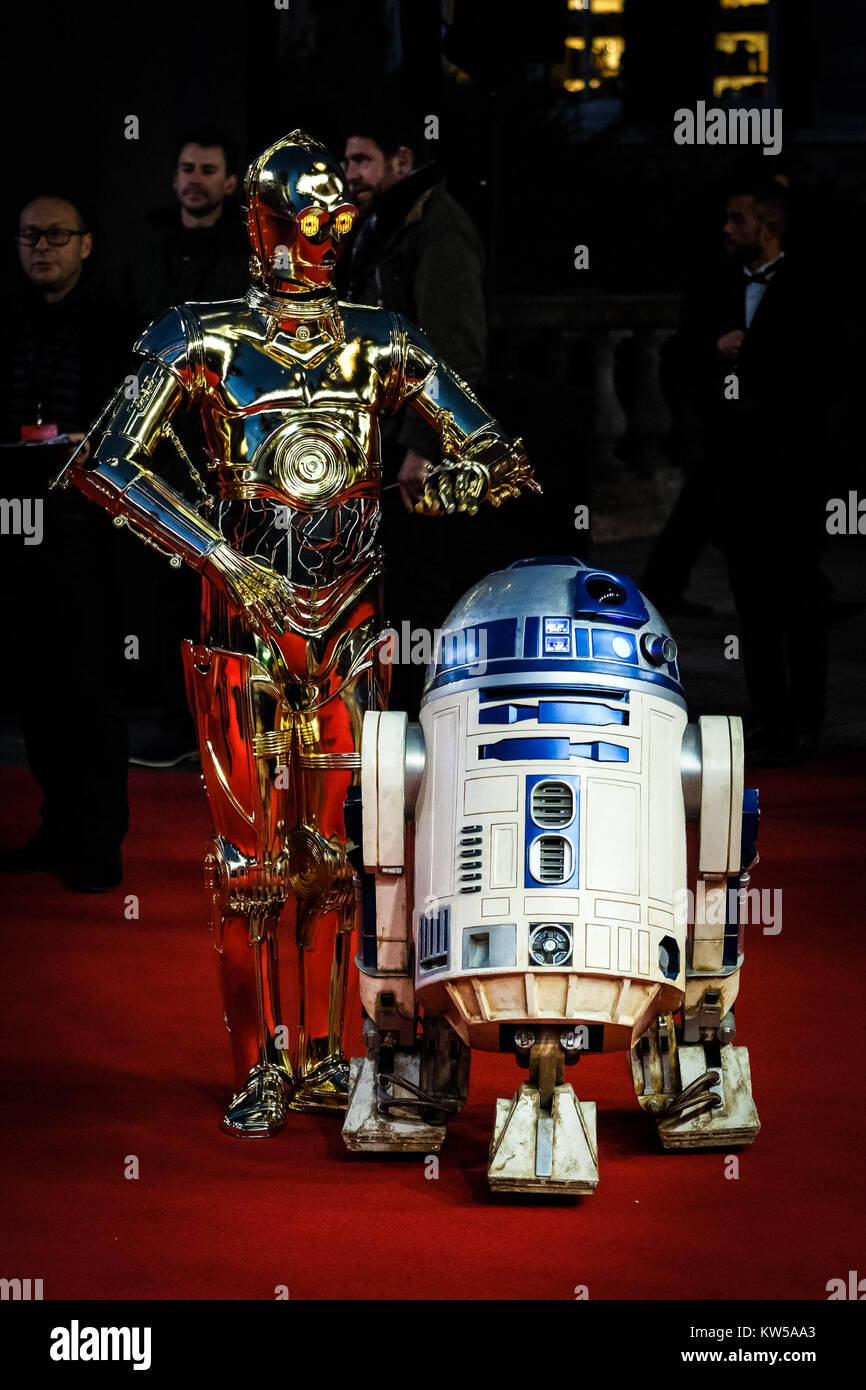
(416, 253)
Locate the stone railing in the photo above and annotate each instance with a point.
(598, 360)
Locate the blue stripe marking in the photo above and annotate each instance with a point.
(590, 668)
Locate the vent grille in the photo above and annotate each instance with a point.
(434, 936)
(552, 805)
(551, 859)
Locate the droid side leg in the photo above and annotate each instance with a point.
(243, 726)
(690, 1077)
(409, 1084)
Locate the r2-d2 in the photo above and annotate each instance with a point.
(533, 882)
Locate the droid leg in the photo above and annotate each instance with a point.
(408, 1086)
(545, 1138)
(699, 1093)
(689, 1076)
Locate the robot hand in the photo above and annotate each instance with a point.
(510, 474)
(256, 589)
(453, 487)
(462, 486)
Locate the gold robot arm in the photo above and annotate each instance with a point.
(480, 461)
(116, 475)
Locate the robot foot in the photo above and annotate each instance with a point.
(714, 1108)
(551, 1152)
(326, 1087)
(388, 1112)
(259, 1110)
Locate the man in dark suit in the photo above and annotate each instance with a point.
(757, 351)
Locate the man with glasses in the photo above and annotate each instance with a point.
(60, 351)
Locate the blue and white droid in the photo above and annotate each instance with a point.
(532, 885)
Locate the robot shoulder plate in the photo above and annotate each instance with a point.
(174, 339)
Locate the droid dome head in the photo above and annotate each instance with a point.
(298, 214)
(552, 621)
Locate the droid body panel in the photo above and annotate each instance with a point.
(288, 385)
(548, 914)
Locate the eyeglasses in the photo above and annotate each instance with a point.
(55, 236)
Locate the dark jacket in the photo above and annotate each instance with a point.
(419, 254)
(168, 263)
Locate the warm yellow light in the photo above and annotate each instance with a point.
(727, 43)
(309, 225)
(574, 84)
(594, 82)
(607, 6)
(608, 50)
(733, 84)
(741, 4)
(572, 42)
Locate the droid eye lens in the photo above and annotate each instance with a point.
(342, 222)
(606, 591)
(309, 224)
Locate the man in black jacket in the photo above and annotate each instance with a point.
(62, 347)
(417, 253)
(195, 249)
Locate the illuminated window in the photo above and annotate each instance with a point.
(603, 6)
(574, 42)
(749, 48)
(607, 51)
(738, 4)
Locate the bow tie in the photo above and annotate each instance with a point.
(760, 277)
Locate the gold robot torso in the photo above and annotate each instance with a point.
(290, 422)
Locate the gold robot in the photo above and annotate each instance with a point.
(289, 385)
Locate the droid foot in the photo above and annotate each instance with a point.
(259, 1110)
(376, 1122)
(551, 1152)
(326, 1087)
(714, 1107)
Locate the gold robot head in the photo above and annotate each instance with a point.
(298, 214)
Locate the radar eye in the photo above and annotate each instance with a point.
(605, 591)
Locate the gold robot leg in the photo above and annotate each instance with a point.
(244, 729)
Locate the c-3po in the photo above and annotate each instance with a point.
(289, 386)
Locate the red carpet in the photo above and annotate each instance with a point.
(113, 1045)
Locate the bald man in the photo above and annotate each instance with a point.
(60, 353)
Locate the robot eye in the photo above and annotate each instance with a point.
(343, 222)
(309, 223)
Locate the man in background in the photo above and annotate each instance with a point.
(417, 253)
(759, 344)
(61, 350)
(194, 250)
